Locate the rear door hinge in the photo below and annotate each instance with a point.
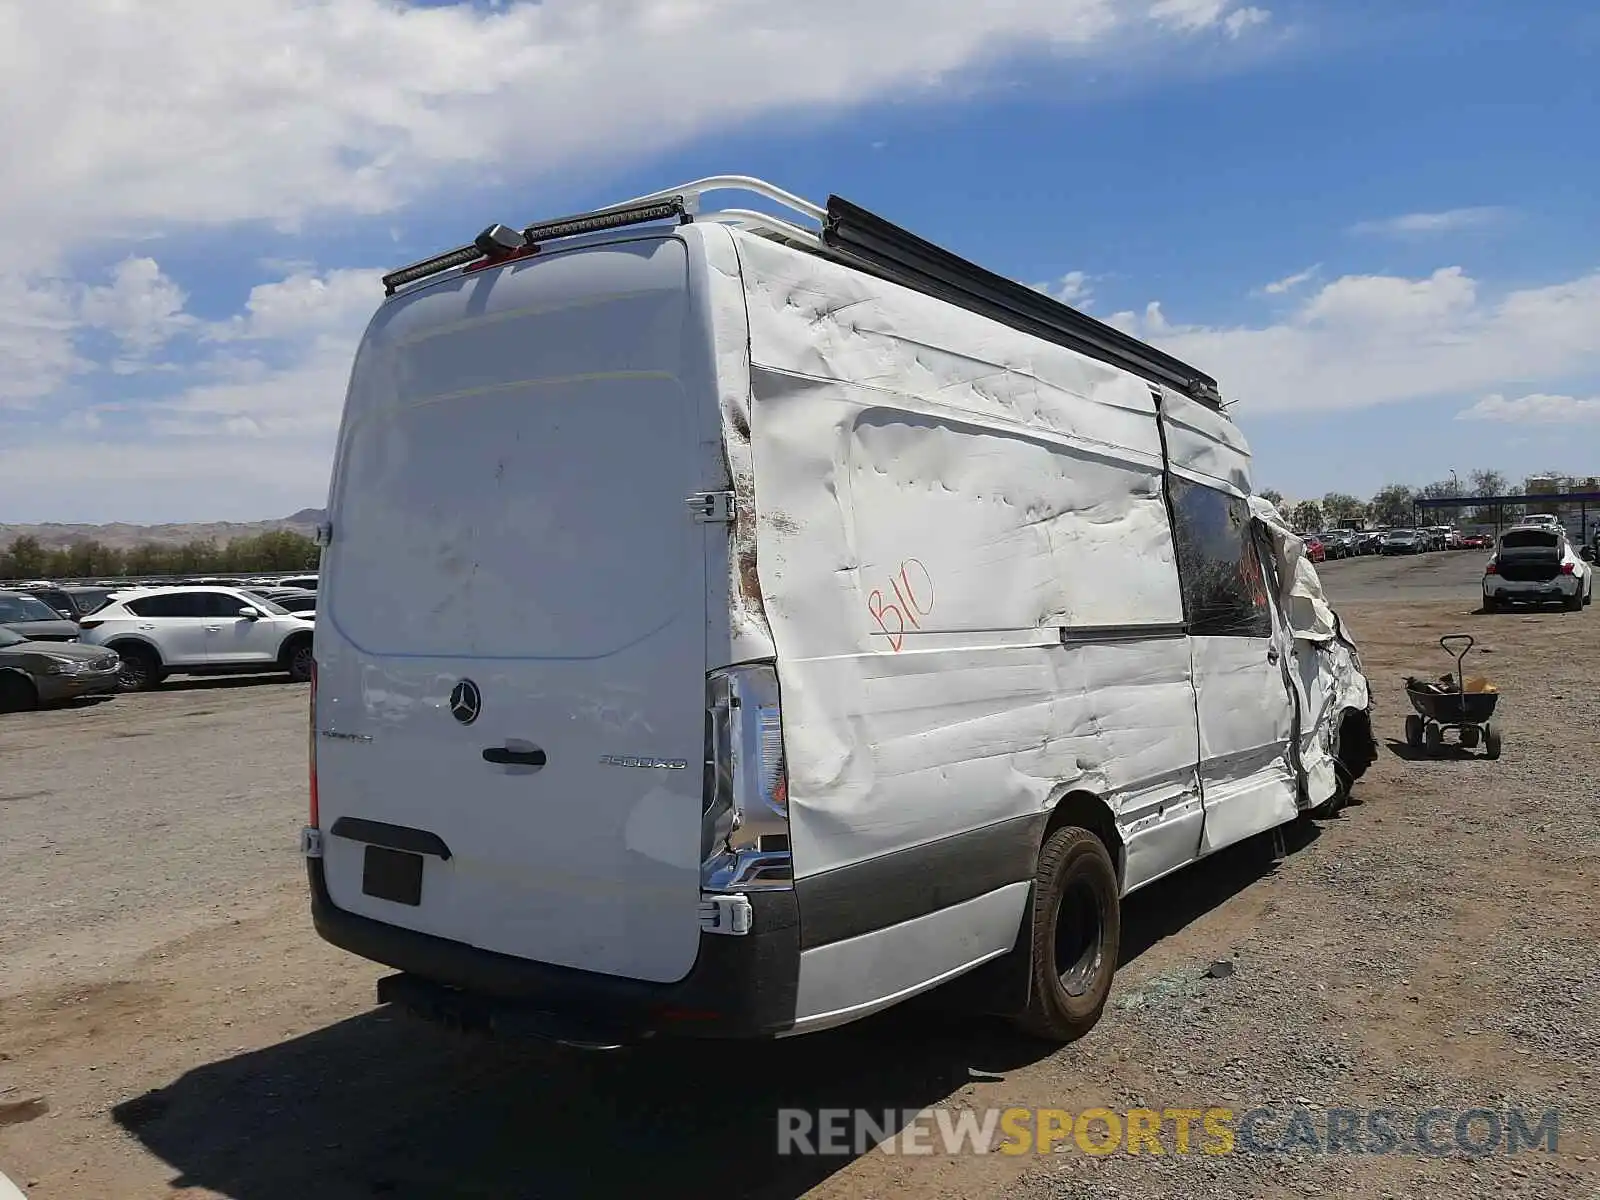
(711, 508)
(324, 533)
(726, 914)
(311, 842)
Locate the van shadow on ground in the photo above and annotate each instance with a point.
(379, 1105)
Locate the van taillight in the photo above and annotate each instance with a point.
(312, 748)
(746, 803)
(1568, 568)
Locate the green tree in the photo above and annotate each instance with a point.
(275, 550)
(1308, 515)
(24, 559)
(1337, 506)
(1394, 505)
(1488, 482)
(83, 559)
(1273, 497)
(149, 558)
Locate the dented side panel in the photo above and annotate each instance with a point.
(956, 527)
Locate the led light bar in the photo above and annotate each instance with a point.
(608, 218)
(458, 257)
(499, 242)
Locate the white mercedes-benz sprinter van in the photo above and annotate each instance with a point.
(732, 625)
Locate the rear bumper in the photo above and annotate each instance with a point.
(739, 987)
(1561, 587)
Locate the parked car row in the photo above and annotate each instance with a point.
(1348, 543)
(81, 642)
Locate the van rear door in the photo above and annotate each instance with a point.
(511, 628)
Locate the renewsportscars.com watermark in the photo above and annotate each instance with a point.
(1437, 1132)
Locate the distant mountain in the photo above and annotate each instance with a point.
(122, 536)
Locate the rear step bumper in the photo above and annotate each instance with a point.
(739, 987)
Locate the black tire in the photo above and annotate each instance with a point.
(1076, 880)
(1413, 730)
(1471, 736)
(1574, 603)
(1432, 738)
(17, 693)
(1490, 604)
(297, 659)
(1491, 740)
(140, 670)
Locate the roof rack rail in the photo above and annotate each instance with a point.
(902, 256)
(499, 244)
(861, 239)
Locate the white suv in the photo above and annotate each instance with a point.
(199, 631)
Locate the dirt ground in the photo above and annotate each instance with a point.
(1434, 945)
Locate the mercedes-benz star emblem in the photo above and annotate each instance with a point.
(465, 702)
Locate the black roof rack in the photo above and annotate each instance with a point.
(865, 241)
(901, 256)
(498, 243)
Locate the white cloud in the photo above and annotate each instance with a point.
(1241, 20)
(1188, 14)
(305, 304)
(191, 112)
(1538, 408)
(191, 115)
(1424, 223)
(1364, 340)
(1287, 284)
(1075, 288)
(37, 353)
(141, 306)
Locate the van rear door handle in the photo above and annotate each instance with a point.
(1272, 654)
(504, 756)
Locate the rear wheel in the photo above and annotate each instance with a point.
(1491, 740)
(1432, 738)
(1413, 730)
(140, 669)
(1490, 604)
(298, 659)
(1076, 931)
(1470, 737)
(17, 693)
(1574, 602)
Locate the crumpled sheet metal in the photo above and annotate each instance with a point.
(747, 635)
(965, 491)
(1327, 666)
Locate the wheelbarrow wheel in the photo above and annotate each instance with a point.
(1470, 737)
(1413, 730)
(1432, 738)
(1491, 740)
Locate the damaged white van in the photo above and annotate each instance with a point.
(733, 624)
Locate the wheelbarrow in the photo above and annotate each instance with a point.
(1453, 702)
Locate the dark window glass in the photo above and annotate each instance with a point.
(1224, 587)
(176, 604)
(57, 600)
(89, 600)
(26, 608)
(1521, 539)
(222, 604)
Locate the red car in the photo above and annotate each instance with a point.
(1315, 550)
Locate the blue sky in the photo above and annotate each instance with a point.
(1377, 229)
